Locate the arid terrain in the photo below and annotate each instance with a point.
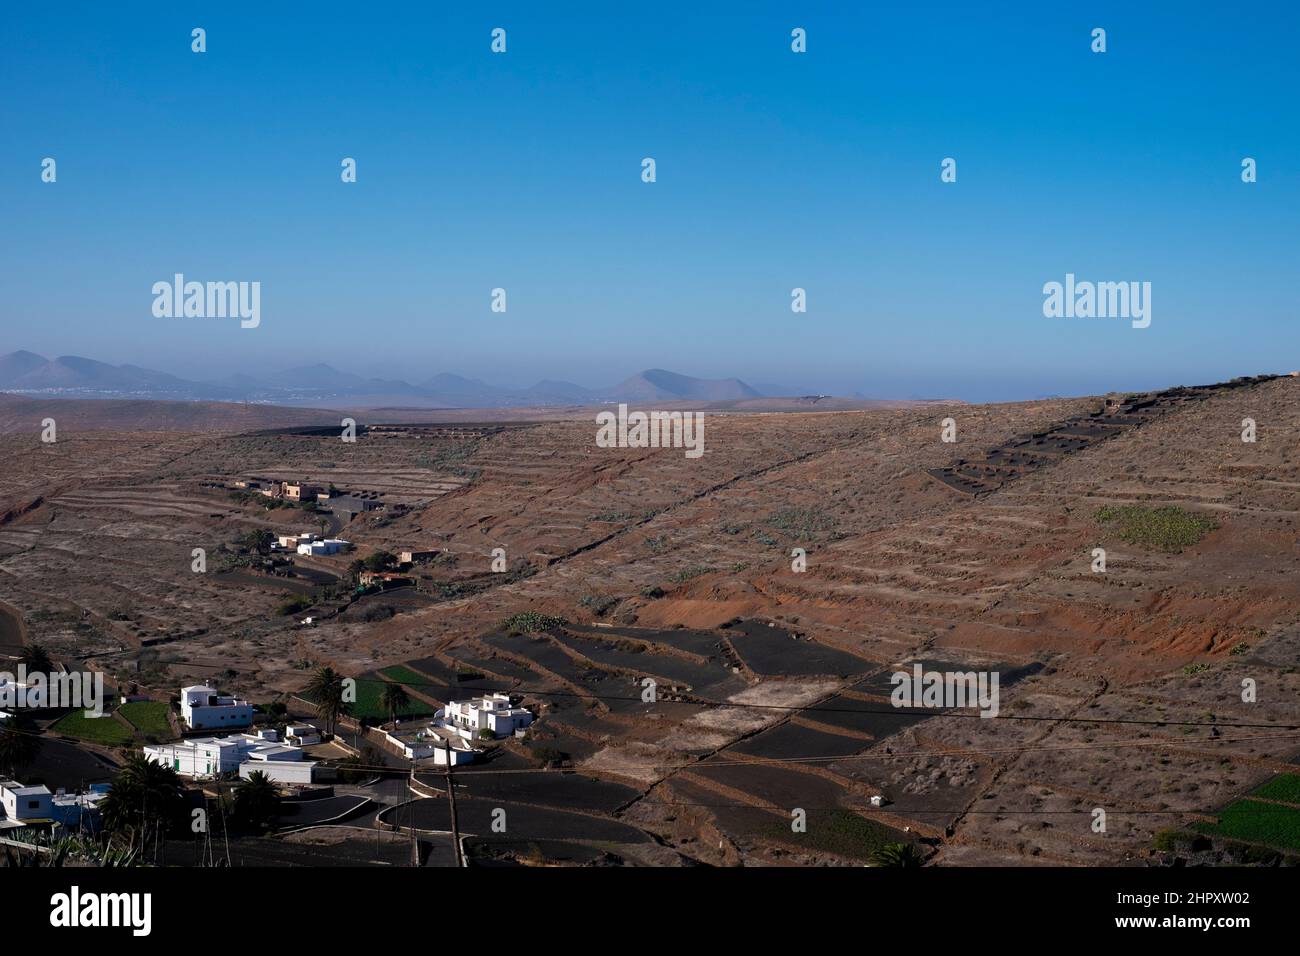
(1121, 689)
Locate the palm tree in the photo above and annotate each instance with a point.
(897, 854)
(37, 659)
(394, 698)
(145, 796)
(256, 800)
(19, 743)
(259, 540)
(326, 689)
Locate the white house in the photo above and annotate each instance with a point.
(203, 708)
(301, 735)
(22, 806)
(206, 757)
(492, 712)
(327, 546)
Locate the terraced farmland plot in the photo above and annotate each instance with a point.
(1255, 821)
(870, 718)
(792, 740)
(623, 656)
(563, 791)
(831, 831)
(774, 651)
(487, 664)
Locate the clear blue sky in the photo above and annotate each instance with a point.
(775, 170)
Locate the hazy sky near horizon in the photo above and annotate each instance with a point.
(775, 170)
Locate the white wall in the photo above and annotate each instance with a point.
(231, 717)
(281, 771)
(17, 806)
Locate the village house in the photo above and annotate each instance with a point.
(325, 546)
(25, 806)
(300, 491)
(210, 757)
(22, 806)
(302, 735)
(203, 708)
(491, 714)
(349, 506)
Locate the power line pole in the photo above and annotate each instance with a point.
(451, 801)
(410, 808)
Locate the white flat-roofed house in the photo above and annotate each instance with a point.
(203, 708)
(324, 547)
(208, 757)
(22, 805)
(200, 757)
(492, 712)
(301, 735)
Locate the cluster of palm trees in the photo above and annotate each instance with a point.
(145, 801)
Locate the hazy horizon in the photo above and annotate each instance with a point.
(209, 374)
(775, 171)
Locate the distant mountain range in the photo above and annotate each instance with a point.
(70, 376)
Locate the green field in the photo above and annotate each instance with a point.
(1256, 822)
(149, 717)
(368, 706)
(1284, 787)
(401, 674)
(104, 730)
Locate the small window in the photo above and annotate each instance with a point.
(33, 804)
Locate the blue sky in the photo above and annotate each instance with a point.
(775, 170)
